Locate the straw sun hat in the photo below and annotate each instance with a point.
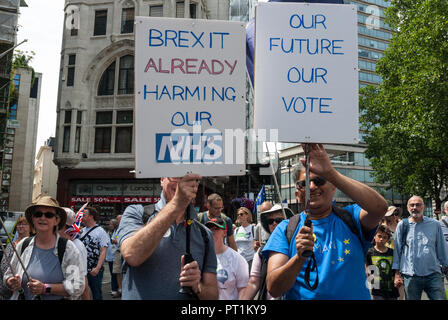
(46, 201)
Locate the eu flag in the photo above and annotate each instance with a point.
(260, 199)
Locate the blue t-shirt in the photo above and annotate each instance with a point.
(339, 255)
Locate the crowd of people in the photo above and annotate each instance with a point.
(363, 251)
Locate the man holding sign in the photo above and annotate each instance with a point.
(338, 245)
(153, 247)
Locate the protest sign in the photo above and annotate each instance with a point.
(306, 72)
(190, 97)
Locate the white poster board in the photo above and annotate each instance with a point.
(190, 97)
(306, 72)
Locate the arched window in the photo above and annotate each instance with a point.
(106, 86)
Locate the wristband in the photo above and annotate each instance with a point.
(44, 288)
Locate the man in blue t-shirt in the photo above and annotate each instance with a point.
(338, 252)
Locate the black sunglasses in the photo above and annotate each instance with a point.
(318, 181)
(48, 215)
(271, 221)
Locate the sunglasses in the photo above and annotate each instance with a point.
(241, 214)
(318, 181)
(48, 215)
(271, 221)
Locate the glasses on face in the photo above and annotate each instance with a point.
(241, 214)
(22, 225)
(277, 220)
(48, 215)
(318, 181)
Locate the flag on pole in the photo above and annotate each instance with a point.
(260, 199)
(74, 230)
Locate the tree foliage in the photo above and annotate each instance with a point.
(406, 117)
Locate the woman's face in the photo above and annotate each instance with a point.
(23, 229)
(243, 217)
(45, 219)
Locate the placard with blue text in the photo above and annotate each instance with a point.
(190, 97)
(306, 72)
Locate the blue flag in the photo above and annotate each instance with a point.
(260, 199)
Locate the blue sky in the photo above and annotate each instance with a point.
(41, 23)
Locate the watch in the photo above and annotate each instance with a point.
(47, 289)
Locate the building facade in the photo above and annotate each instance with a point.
(94, 147)
(21, 146)
(9, 12)
(45, 172)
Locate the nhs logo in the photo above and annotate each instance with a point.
(184, 147)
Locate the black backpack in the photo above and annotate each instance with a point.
(149, 211)
(342, 214)
(62, 245)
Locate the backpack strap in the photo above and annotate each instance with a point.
(25, 244)
(62, 245)
(292, 226)
(348, 220)
(148, 211)
(446, 223)
(262, 292)
(84, 236)
(404, 234)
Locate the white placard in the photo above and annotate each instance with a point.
(190, 97)
(306, 72)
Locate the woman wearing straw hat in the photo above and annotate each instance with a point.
(52, 270)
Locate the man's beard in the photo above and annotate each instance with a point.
(416, 215)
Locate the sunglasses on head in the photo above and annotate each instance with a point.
(278, 220)
(318, 181)
(48, 215)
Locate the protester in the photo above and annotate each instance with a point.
(391, 219)
(339, 252)
(116, 267)
(96, 241)
(110, 254)
(80, 246)
(244, 235)
(153, 247)
(215, 206)
(269, 219)
(261, 235)
(52, 276)
(379, 263)
(23, 231)
(232, 271)
(420, 250)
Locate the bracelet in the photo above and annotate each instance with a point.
(44, 288)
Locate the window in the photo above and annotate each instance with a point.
(126, 76)
(68, 117)
(156, 11)
(100, 23)
(193, 10)
(102, 140)
(123, 140)
(71, 70)
(104, 117)
(66, 141)
(78, 131)
(180, 9)
(106, 86)
(124, 117)
(127, 20)
(117, 132)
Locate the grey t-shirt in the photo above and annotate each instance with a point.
(43, 266)
(158, 277)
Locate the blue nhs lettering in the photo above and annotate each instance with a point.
(189, 147)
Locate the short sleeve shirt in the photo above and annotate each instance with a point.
(339, 254)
